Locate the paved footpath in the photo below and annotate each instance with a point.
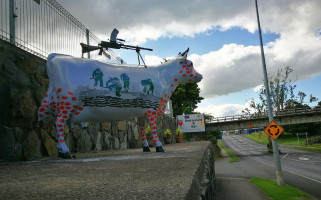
(233, 181)
(126, 174)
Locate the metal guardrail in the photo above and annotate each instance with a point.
(286, 112)
(42, 27)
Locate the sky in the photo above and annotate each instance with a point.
(223, 41)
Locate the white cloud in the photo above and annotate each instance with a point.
(234, 67)
(258, 88)
(153, 60)
(222, 110)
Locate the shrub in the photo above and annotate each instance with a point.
(167, 132)
(178, 132)
(315, 139)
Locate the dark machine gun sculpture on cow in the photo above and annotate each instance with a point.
(114, 43)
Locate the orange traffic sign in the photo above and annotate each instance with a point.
(273, 130)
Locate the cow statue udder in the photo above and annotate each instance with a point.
(82, 90)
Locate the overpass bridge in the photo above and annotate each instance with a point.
(283, 117)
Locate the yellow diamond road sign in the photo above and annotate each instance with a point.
(273, 130)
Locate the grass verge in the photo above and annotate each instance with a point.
(233, 157)
(257, 139)
(270, 188)
(288, 140)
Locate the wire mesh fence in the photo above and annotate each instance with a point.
(42, 27)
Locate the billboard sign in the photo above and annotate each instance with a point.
(191, 123)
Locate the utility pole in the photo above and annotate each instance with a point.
(271, 118)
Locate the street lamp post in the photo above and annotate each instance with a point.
(269, 106)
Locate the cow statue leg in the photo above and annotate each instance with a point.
(67, 107)
(63, 150)
(152, 120)
(141, 126)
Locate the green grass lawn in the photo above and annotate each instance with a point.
(233, 157)
(287, 139)
(283, 192)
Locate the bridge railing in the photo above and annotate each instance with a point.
(42, 27)
(285, 112)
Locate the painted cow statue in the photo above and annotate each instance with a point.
(82, 90)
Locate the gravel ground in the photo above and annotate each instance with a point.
(126, 174)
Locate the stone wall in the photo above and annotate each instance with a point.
(23, 84)
(204, 181)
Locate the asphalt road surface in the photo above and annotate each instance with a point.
(300, 169)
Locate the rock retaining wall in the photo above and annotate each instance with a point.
(23, 84)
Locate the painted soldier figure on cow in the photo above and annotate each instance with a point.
(97, 75)
(143, 94)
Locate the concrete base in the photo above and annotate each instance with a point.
(184, 171)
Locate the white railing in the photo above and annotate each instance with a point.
(42, 27)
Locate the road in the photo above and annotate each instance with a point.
(300, 168)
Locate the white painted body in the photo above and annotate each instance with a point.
(142, 92)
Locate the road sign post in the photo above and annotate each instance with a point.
(269, 105)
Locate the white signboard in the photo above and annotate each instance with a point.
(191, 123)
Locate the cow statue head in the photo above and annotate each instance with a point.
(187, 73)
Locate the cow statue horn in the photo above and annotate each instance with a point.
(185, 52)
